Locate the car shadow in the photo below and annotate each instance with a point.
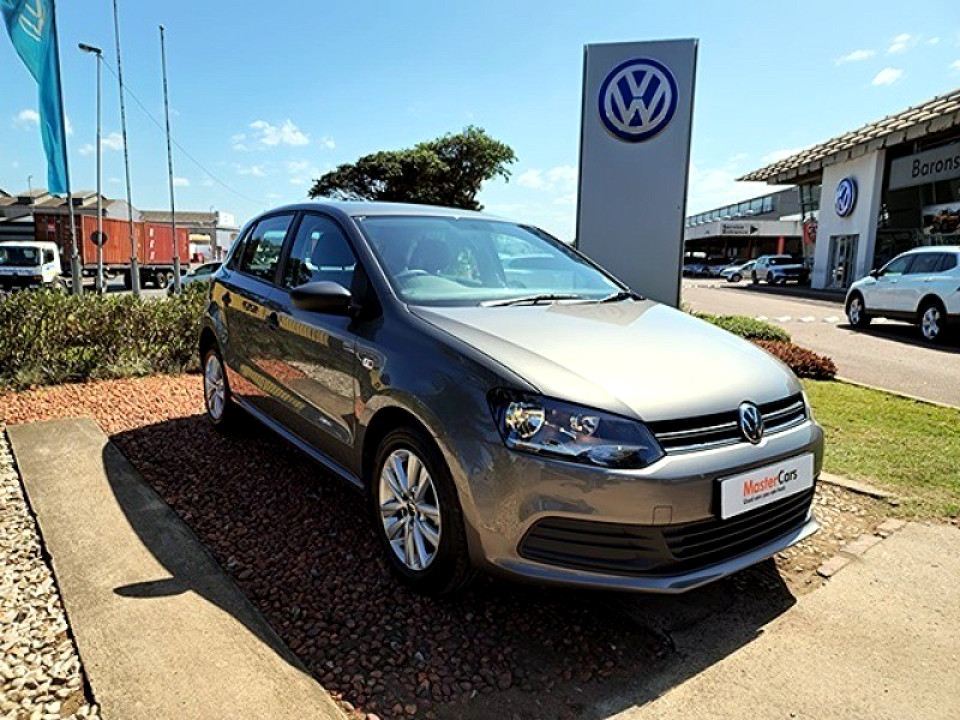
(300, 546)
(905, 333)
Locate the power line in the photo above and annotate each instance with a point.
(180, 147)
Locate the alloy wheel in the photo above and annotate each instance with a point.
(855, 311)
(409, 509)
(930, 323)
(214, 388)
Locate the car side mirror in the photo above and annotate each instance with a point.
(323, 297)
(874, 273)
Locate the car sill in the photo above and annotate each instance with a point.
(319, 457)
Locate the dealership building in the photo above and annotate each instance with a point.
(872, 193)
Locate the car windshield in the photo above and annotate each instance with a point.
(469, 261)
(782, 261)
(19, 256)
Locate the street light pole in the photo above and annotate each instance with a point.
(99, 55)
(177, 282)
(134, 263)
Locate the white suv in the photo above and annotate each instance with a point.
(921, 286)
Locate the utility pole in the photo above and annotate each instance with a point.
(99, 55)
(134, 263)
(177, 283)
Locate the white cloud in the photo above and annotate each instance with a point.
(887, 76)
(69, 126)
(27, 119)
(715, 187)
(237, 141)
(560, 179)
(87, 149)
(902, 42)
(181, 182)
(933, 41)
(301, 172)
(112, 141)
(284, 134)
(207, 182)
(855, 56)
(955, 66)
(252, 170)
(327, 143)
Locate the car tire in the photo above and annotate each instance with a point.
(161, 280)
(857, 312)
(420, 526)
(735, 278)
(222, 412)
(754, 279)
(932, 320)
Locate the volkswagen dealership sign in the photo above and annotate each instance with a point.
(634, 158)
(845, 199)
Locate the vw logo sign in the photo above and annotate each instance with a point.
(638, 99)
(751, 422)
(846, 198)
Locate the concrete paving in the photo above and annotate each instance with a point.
(889, 355)
(162, 630)
(880, 640)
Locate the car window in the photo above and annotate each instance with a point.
(948, 261)
(897, 266)
(321, 253)
(924, 263)
(48, 256)
(262, 250)
(782, 261)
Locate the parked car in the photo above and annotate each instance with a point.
(921, 286)
(737, 271)
(204, 273)
(560, 433)
(715, 266)
(779, 270)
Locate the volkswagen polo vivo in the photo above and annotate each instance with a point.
(505, 404)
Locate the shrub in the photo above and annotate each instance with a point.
(48, 337)
(805, 363)
(746, 327)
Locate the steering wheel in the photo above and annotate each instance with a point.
(410, 274)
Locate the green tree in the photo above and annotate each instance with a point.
(447, 171)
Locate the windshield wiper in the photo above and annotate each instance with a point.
(532, 299)
(619, 296)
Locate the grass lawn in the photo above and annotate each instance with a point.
(905, 446)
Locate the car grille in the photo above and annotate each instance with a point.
(708, 431)
(660, 550)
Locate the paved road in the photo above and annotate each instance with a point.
(880, 640)
(889, 354)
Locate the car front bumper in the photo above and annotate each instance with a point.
(634, 530)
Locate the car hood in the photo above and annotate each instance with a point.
(634, 357)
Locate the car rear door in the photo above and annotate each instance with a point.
(920, 280)
(249, 296)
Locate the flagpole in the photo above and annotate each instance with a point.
(177, 283)
(134, 263)
(75, 276)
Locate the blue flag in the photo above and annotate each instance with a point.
(33, 30)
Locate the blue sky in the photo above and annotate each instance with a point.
(268, 97)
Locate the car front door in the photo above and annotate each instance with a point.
(318, 372)
(249, 296)
(886, 293)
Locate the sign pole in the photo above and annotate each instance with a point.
(134, 263)
(177, 283)
(101, 288)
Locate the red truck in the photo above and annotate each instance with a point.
(155, 247)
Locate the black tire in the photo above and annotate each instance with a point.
(161, 280)
(929, 330)
(451, 569)
(229, 416)
(736, 277)
(856, 310)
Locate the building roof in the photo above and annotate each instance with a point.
(184, 217)
(933, 116)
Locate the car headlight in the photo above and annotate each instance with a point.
(543, 426)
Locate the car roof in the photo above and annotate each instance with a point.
(363, 208)
(933, 248)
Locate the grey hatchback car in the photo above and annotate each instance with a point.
(532, 418)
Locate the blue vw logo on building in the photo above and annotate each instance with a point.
(638, 99)
(846, 198)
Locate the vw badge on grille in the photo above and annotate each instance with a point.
(751, 422)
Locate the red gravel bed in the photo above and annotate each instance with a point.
(300, 545)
